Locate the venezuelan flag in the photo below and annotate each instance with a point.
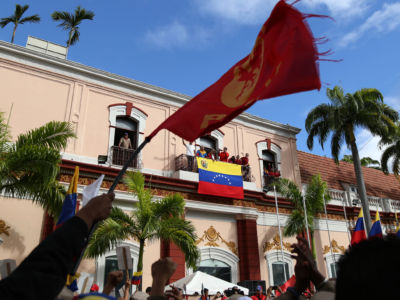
(376, 229)
(137, 278)
(69, 205)
(359, 231)
(220, 178)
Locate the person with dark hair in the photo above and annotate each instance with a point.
(125, 142)
(148, 290)
(224, 155)
(259, 294)
(370, 270)
(201, 152)
(205, 295)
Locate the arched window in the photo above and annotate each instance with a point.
(218, 260)
(208, 142)
(279, 270)
(108, 262)
(331, 262)
(126, 125)
(111, 264)
(269, 155)
(125, 118)
(216, 268)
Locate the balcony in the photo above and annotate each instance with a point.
(120, 156)
(269, 179)
(182, 162)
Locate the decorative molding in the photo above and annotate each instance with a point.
(276, 244)
(275, 256)
(212, 236)
(4, 228)
(335, 248)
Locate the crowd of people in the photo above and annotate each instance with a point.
(368, 270)
(222, 155)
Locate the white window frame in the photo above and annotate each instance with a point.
(275, 256)
(101, 261)
(275, 149)
(137, 115)
(330, 259)
(218, 136)
(222, 255)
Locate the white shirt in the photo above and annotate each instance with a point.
(190, 150)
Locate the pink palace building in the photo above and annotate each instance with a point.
(238, 238)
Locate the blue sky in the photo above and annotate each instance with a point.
(187, 45)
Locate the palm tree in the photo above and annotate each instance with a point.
(346, 112)
(16, 19)
(391, 152)
(365, 161)
(71, 22)
(30, 165)
(150, 220)
(314, 193)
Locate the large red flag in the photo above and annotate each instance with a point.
(283, 61)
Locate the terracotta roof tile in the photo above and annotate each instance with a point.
(376, 182)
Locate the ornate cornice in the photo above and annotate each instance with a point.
(212, 236)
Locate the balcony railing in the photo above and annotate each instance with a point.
(121, 156)
(188, 163)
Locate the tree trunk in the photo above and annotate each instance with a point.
(361, 185)
(140, 262)
(70, 38)
(13, 35)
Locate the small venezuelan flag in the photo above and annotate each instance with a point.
(376, 229)
(397, 226)
(359, 231)
(137, 278)
(220, 178)
(69, 204)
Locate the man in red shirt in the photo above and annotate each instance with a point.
(259, 295)
(224, 155)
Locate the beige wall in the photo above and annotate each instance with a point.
(25, 221)
(39, 96)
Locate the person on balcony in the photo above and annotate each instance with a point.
(201, 152)
(238, 161)
(232, 160)
(190, 154)
(224, 155)
(125, 142)
(212, 155)
(245, 167)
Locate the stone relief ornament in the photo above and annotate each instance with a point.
(211, 237)
(335, 248)
(4, 228)
(275, 244)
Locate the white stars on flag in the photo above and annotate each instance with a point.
(220, 177)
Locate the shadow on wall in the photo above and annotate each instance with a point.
(14, 243)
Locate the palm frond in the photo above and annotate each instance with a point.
(5, 21)
(52, 135)
(182, 233)
(75, 36)
(30, 19)
(170, 206)
(106, 237)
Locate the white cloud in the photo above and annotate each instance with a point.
(383, 20)
(393, 102)
(255, 11)
(238, 11)
(340, 8)
(176, 35)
